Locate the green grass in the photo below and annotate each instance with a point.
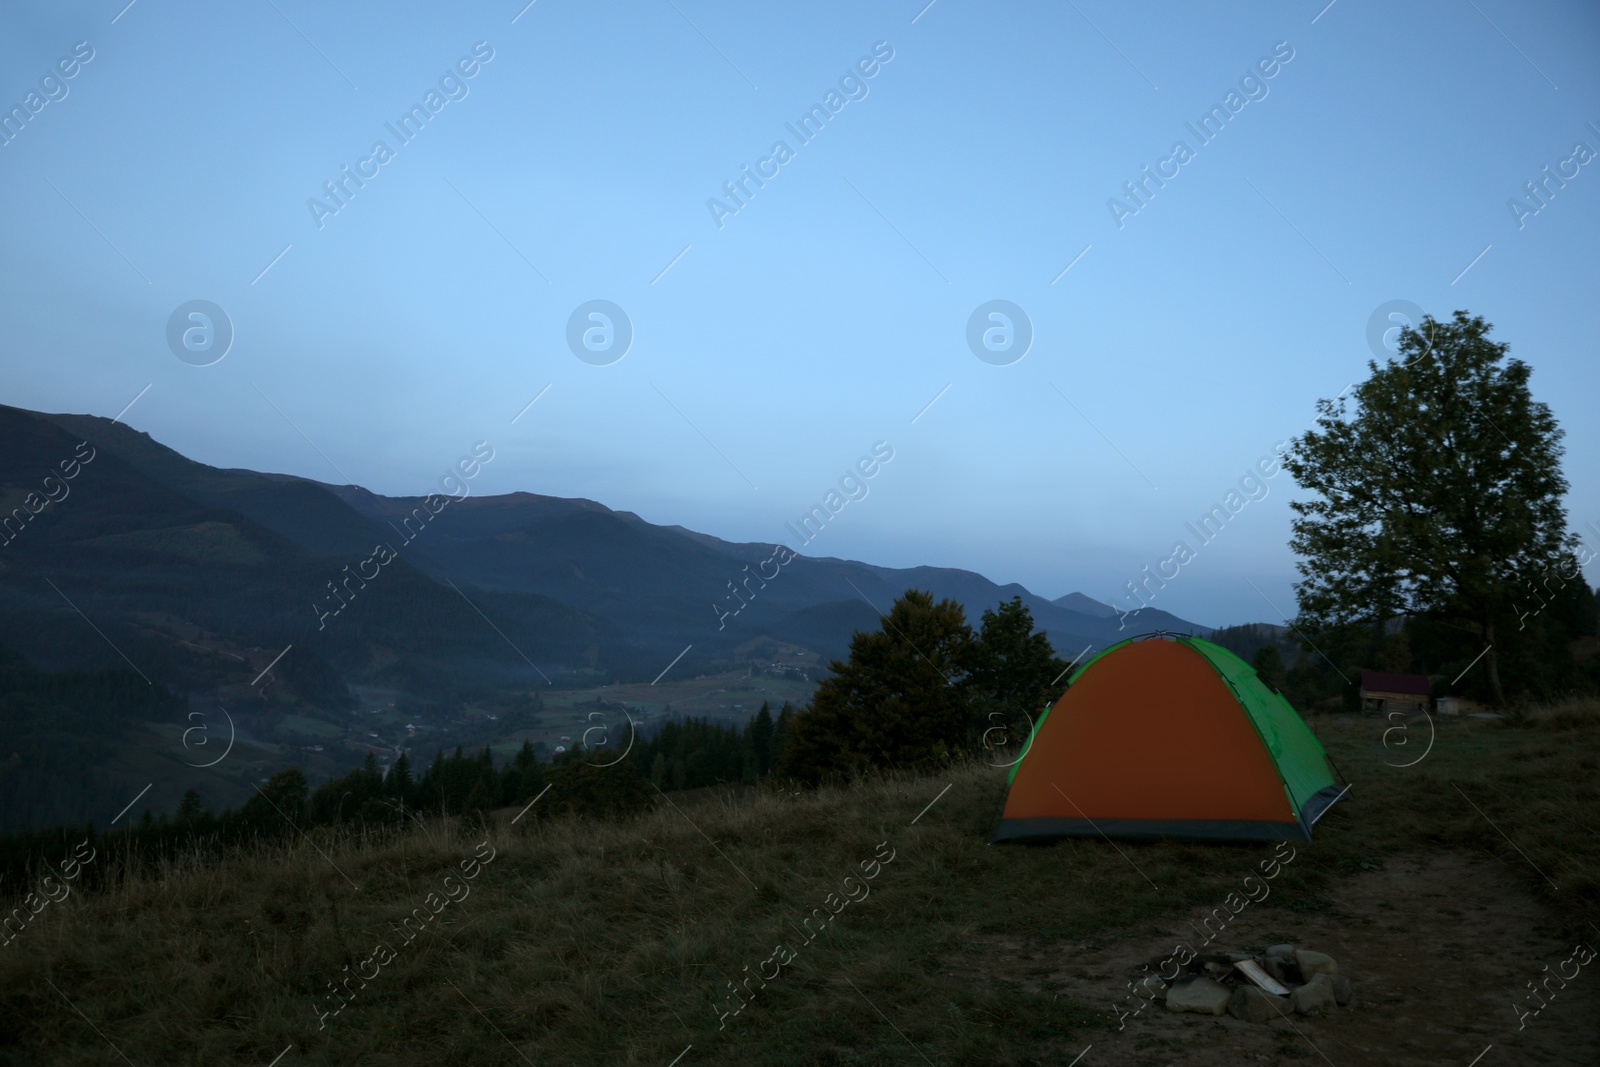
(590, 942)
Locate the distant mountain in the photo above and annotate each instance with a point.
(650, 580)
(570, 584)
(1086, 605)
(171, 560)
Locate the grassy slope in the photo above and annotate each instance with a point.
(589, 943)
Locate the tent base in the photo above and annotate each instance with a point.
(1317, 805)
(1197, 829)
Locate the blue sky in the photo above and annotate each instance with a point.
(772, 351)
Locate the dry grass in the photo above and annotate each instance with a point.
(1579, 713)
(586, 942)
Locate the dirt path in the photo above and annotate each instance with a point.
(1439, 949)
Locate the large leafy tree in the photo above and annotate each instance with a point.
(922, 688)
(899, 700)
(1438, 498)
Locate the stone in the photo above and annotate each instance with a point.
(1281, 952)
(1253, 1006)
(1312, 964)
(1315, 997)
(1282, 1025)
(1203, 995)
(1341, 989)
(1283, 970)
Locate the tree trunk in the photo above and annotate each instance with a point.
(1497, 696)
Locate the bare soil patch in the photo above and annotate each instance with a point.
(1439, 947)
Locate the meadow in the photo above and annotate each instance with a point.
(1464, 858)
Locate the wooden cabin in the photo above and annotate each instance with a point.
(1383, 692)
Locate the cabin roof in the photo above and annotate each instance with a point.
(1390, 682)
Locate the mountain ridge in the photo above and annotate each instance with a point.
(655, 587)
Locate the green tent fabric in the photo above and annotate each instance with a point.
(1294, 748)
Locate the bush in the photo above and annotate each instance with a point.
(580, 787)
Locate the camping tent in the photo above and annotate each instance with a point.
(1168, 736)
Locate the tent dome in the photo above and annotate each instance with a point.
(1169, 736)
